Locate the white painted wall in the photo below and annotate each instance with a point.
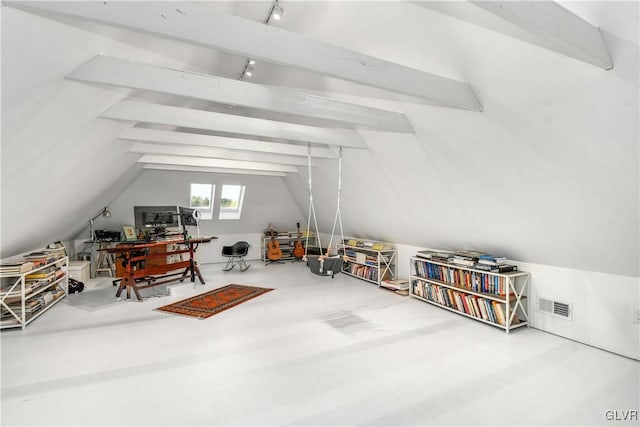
(267, 200)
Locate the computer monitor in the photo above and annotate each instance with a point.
(155, 217)
(188, 216)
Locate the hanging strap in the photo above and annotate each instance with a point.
(311, 208)
(338, 217)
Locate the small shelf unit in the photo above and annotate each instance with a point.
(26, 296)
(369, 264)
(497, 299)
(286, 243)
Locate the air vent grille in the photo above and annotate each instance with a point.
(561, 309)
(555, 308)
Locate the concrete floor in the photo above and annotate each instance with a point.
(313, 352)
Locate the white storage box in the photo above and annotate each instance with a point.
(79, 270)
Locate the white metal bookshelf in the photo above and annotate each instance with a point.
(369, 264)
(286, 242)
(17, 287)
(497, 299)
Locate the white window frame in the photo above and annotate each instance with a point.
(205, 212)
(233, 212)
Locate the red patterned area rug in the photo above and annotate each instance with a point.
(215, 301)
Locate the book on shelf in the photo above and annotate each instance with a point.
(439, 256)
(15, 295)
(49, 254)
(474, 305)
(467, 254)
(502, 268)
(470, 259)
(44, 274)
(8, 320)
(364, 271)
(466, 262)
(41, 258)
(491, 260)
(30, 306)
(16, 267)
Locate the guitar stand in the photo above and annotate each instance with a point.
(269, 262)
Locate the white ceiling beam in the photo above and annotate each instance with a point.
(136, 75)
(216, 153)
(568, 33)
(215, 163)
(211, 170)
(218, 122)
(183, 138)
(192, 23)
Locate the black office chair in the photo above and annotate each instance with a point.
(235, 254)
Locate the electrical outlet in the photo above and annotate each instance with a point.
(636, 316)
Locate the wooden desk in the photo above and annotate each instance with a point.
(159, 247)
(142, 265)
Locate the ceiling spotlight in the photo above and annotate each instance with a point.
(248, 71)
(277, 11)
(252, 62)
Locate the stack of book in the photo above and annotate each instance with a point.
(10, 290)
(31, 307)
(465, 258)
(42, 277)
(437, 256)
(470, 259)
(39, 258)
(15, 268)
(494, 264)
(398, 286)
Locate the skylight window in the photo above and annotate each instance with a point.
(231, 200)
(202, 199)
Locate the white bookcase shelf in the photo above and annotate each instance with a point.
(286, 243)
(369, 264)
(497, 299)
(28, 295)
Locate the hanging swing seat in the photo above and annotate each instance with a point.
(317, 261)
(314, 250)
(325, 266)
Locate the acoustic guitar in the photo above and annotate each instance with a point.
(298, 248)
(274, 253)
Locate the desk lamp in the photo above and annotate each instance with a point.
(105, 213)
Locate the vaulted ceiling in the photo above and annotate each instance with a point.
(416, 93)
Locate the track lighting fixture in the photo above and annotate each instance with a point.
(277, 11)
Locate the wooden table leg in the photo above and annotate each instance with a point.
(135, 290)
(121, 288)
(197, 271)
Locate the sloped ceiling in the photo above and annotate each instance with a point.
(498, 143)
